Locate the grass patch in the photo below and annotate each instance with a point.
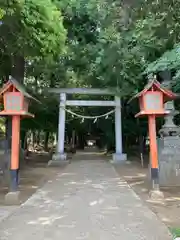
(175, 232)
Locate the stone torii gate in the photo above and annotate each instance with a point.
(60, 156)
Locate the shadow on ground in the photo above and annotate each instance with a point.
(33, 174)
(167, 210)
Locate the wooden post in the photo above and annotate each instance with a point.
(153, 151)
(15, 152)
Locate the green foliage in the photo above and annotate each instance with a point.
(167, 35)
(33, 28)
(1, 13)
(34, 31)
(46, 115)
(100, 53)
(109, 44)
(170, 60)
(175, 232)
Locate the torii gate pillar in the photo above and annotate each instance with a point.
(118, 156)
(61, 126)
(60, 157)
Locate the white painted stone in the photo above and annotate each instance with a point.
(59, 159)
(156, 195)
(12, 198)
(119, 158)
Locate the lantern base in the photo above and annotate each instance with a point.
(58, 159)
(12, 198)
(119, 157)
(21, 113)
(156, 195)
(147, 113)
(169, 161)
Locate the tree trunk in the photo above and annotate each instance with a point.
(37, 138)
(33, 139)
(46, 141)
(55, 139)
(23, 138)
(18, 68)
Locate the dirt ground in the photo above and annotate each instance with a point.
(33, 175)
(167, 210)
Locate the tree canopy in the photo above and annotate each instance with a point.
(108, 44)
(31, 30)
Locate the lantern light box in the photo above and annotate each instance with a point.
(152, 102)
(152, 99)
(15, 99)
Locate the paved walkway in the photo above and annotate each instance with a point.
(87, 201)
(5, 211)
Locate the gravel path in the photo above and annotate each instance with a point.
(87, 201)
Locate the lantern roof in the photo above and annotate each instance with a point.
(156, 86)
(13, 82)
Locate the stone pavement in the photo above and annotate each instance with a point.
(87, 201)
(5, 211)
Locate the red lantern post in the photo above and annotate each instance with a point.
(16, 102)
(151, 100)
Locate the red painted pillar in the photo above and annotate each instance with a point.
(153, 150)
(15, 152)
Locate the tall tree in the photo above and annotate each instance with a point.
(30, 30)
